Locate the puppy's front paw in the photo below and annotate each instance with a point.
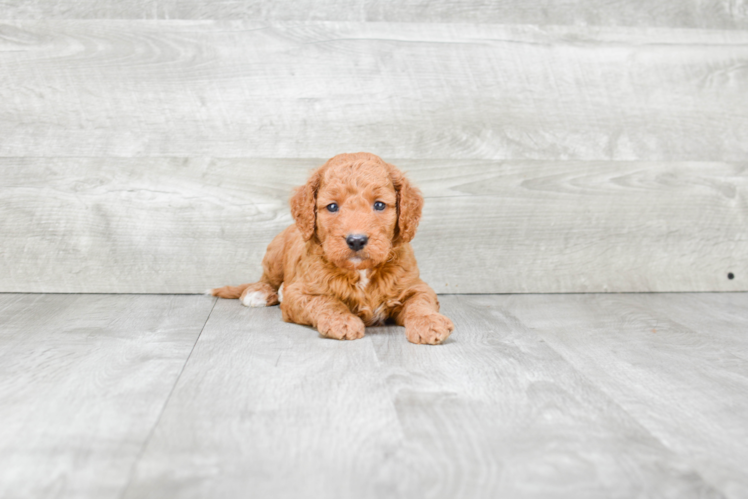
(431, 329)
(341, 327)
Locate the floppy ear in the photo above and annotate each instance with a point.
(409, 205)
(304, 206)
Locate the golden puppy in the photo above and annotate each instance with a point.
(347, 262)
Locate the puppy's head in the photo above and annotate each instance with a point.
(357, 207)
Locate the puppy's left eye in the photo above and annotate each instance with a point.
(379, 206)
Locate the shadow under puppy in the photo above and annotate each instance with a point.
(347, 262)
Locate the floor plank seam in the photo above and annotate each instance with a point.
(614, 402)
(147, 440)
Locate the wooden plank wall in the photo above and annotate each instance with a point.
(576, 146)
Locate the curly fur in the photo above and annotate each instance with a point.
(338, 290)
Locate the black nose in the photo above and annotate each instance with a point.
(357, 241)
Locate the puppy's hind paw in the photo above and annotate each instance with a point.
(254, 299)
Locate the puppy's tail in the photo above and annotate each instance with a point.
(228, 292)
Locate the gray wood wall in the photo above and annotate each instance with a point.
(571, 146)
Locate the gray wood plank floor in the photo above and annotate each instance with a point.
(83, 379)
(534, 395)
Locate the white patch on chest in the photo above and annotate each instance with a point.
(363, 279)
(280, 293)
(379, 315)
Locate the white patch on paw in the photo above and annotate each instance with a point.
(209, 291)
(363, 279)
(255, 299)
(280, 293)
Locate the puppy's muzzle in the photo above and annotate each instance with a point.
(357, 241)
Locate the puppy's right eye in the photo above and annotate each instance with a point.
(332, 207)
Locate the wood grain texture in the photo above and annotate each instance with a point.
(675, 363)
(714, 14)
(402, 90)
(173, 225)
(497, 413)
(282, 10)
(83, 379)
(269, 409)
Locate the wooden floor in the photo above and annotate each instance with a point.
(617, 395)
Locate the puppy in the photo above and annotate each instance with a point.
(347, 262)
